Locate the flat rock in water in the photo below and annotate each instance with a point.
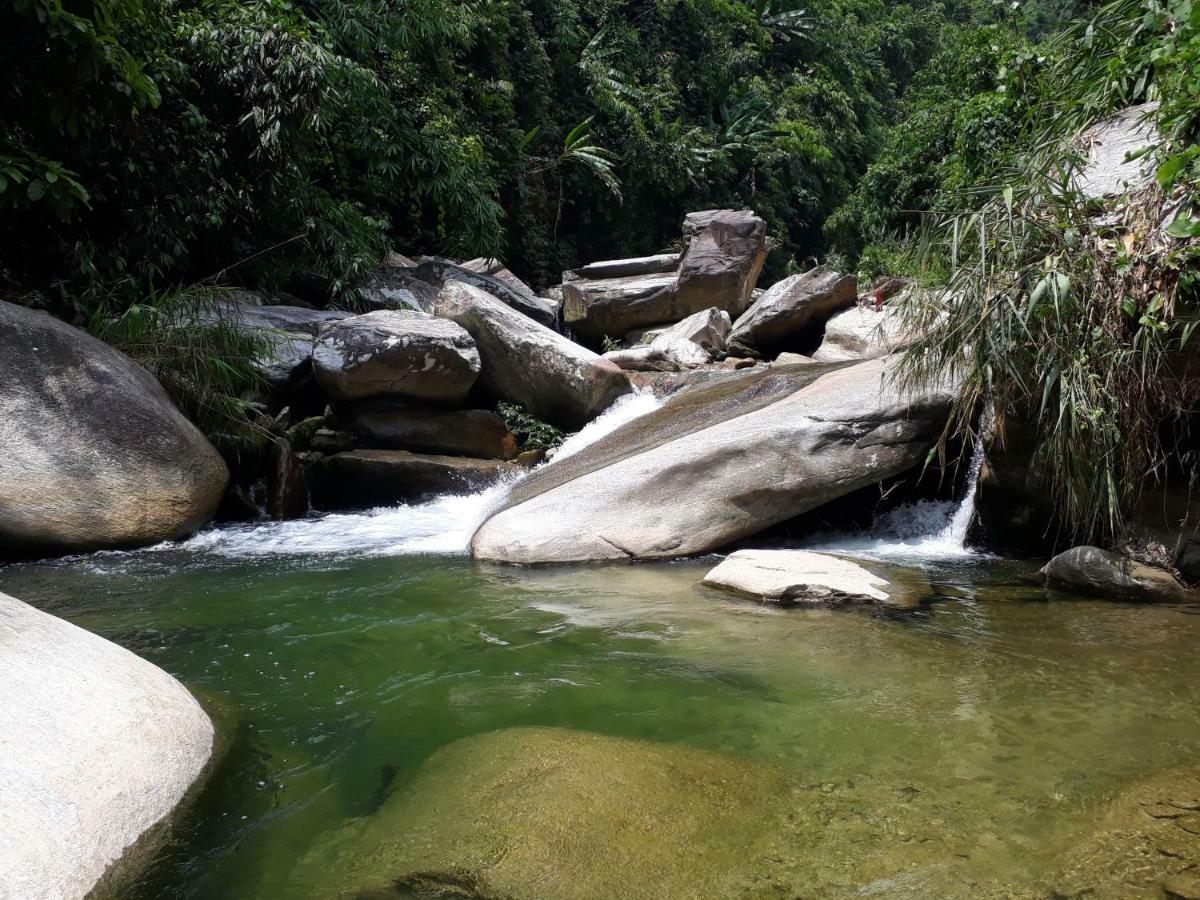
(717, 463)
(95, 454)
(399, 353)
(362, 479)
(797, 576)
(1110, 574)
(97, 746)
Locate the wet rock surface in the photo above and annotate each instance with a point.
(790, 577)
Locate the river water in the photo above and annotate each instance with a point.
(341, 652)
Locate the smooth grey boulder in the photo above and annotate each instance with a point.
(362, 479)
(611, 307)
(797, 577)
(1109, 574)
(289, 331)
(722, 262)
(396, 287)
(396, 425)
(554, 378)
(400, 353)
(97, 747)
(789, 307)
(95, 454)
(522, 299)
(717, 463)
(862, 333)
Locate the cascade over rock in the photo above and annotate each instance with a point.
(396, 353)
(718, 463)
(553, 377)
(95, 454)
(97, 746)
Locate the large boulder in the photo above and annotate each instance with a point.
(788, 308)
(397, 425)
(95, 454)
(97, 747)
(554, 378)
(521, 299)
(723, 260)
(396, 353)
(496, 269)
(862, 333)
(724, 257)
(363, 479)
(718, 463)
(1111, 575)
(611, 307)
(396, 287)
(1115, 160)
(797, 576)
(693, 342)
(566, 815)
(289, 332)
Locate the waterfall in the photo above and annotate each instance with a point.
(443, 525)
(922, 531)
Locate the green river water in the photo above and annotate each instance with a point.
(994, 717)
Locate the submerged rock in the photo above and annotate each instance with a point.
(97, 746)
(554, 378)
(1110, 574)
(555, 814)
(718, 463)
(362, 479)
(396, 353)
(797, 576)
(95, 454)
(789, 307)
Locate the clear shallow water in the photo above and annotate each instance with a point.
(998, 717)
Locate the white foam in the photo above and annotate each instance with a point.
(927, 530)
(442, 526)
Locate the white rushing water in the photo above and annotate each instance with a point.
(925, 530)
(441, 526)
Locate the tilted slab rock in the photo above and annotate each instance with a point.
(396, 353)
(95, 454)
(361, 479)
(659, 264)
(790, 306)
(553, 377)
(396, 425)
(522, 300)
(722, 263)
(797, 576)
(97, 746)
(496, 269)
(1108, 574)
(396, 287)
(718, 463)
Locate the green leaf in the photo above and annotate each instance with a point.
(36, 190)
(1183, 227)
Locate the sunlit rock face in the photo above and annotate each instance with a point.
(95, 454)
(98, 746)
(718, 463)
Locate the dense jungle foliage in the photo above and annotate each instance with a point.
(149, 143)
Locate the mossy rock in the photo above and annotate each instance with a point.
(552, 813)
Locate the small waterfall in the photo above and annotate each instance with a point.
(925, 530)
(442, 526)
